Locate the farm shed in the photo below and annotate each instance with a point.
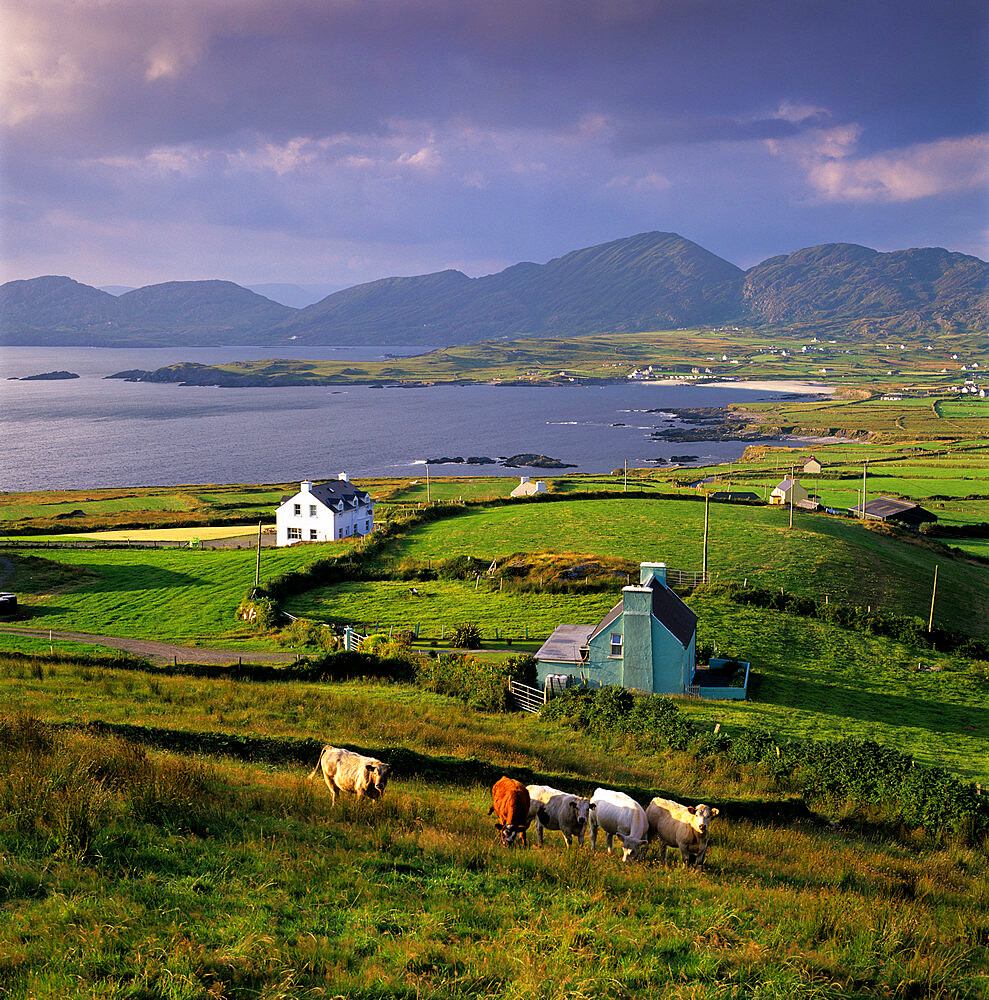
(812, 466)
(898, 511)
(324, 512)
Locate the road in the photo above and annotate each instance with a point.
(159, 652)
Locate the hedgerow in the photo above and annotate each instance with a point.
(833, 773)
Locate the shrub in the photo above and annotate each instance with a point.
(478, 683)
(261, 612)
(466, 636)
(523, 667)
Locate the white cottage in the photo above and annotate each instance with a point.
(324, 512)
(528, 488)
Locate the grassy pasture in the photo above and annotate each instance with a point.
(182, 595)
(189, 877)
(811, 680)
(819, 556)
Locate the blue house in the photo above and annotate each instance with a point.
(646, 642)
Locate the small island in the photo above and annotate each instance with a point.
(46, 377)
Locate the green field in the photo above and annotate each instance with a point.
(186, 876)
(819, 556)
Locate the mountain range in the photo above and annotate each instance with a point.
(652, 281)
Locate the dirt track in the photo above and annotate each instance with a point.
(159, 652)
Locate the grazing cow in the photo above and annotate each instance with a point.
(618, 813)
(510, 803)
(345, 771)
(556, 810)
(685, 827)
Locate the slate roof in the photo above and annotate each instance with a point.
(786, 484)
(884, 507)
(335, 492)
(673, 613)
(566, 642)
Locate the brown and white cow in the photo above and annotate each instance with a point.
(346, 771)
(510, 803)
(687, 828)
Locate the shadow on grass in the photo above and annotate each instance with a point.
(920, 712)
(107, 577)
(411, 764)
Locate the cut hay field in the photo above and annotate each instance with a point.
(194, 876)
(819, 556)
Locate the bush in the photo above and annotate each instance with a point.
(523, 668)
(478, 683)
(261, 612)
(466, 636)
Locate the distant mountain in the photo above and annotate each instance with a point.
(652, 281)
(646, 282)
(116, 289)
(911, 290)
(58, 310)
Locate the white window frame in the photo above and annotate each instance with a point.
(294, 534)
(617, 647)
(297, 509)
(312, 510)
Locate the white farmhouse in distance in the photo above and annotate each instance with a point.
(528, 488)
(324, 512)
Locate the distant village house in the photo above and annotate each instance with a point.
(812, 467)
(788, 491)
(528, 488)
(324, 512)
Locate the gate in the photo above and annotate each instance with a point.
(526, 698)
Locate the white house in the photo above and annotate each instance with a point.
(528, 488)
(324, 512)
(782, 493)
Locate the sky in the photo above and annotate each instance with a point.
(340, 141)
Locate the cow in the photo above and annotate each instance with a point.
(685, 827)
(346, 771)
(618, 813)
(556, 810)
(510, 802)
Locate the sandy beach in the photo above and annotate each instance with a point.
(801, 388)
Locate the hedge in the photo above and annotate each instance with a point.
(833, 772)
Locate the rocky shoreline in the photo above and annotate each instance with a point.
(526, 460)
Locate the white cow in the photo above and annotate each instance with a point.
(556, 810)
(618, 813)
(346, 771)
(685, 827)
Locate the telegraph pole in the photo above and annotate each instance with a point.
(865, 467)
(257, 571)
(707, 502)
(626, 476)
(427, 483)
(930, 621)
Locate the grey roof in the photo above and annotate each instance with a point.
(787, 483)
(883, 507)
(608, 619)
(565, 644)
(335, 492)
(673, 613)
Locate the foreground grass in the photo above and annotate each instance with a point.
(140, 874)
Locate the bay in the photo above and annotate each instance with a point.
(91, 432)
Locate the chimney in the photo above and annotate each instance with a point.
(305, 486)
(637, 644)
(648, 570)
(344, 477)
(523, 480)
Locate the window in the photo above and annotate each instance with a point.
(294, 533)
(312, 510)
(312, 534)
(616, 644)
(367, 525)
(297, 509)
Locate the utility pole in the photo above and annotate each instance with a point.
(791, 498)
(930, 621)
(427, 483)
(707, 503)
(257, 571)
(865, 467)
(626, 476)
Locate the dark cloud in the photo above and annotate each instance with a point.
(484, 130)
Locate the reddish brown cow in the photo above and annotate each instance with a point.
(510, 802)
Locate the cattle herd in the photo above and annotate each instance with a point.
(516, 806)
